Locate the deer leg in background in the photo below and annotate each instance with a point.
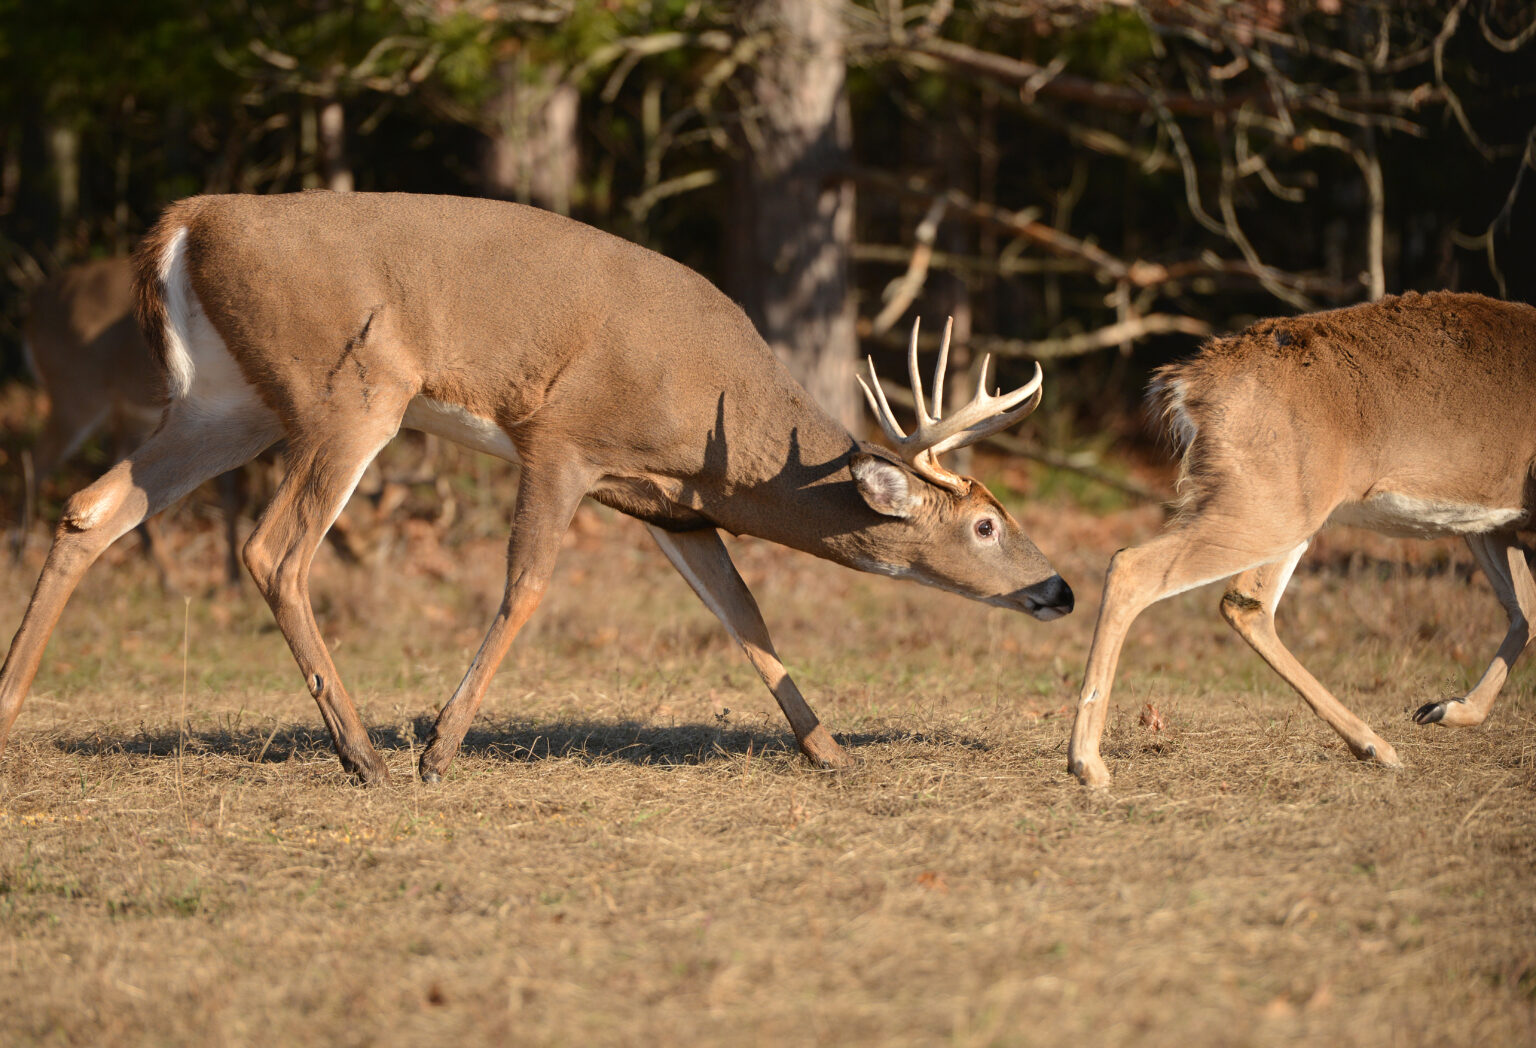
(62, 435)
(1249, 606)
(1502, 559)
(1191, 555)
(702, 559)
(547, 497)
(324, 466)
(186, 451)
(153, 543)
(231, 502)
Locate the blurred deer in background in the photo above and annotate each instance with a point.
(1409, 416)
(83, 346)
(331, 321)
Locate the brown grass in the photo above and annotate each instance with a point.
(627, 852)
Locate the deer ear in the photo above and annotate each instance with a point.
(884, 485)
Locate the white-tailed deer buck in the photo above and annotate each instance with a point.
(1403, 416)
(603, 368)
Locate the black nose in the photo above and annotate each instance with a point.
(1052, 593)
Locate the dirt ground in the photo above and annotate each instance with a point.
(628, 852)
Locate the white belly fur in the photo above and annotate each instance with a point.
(1393, 514)
(452, 422)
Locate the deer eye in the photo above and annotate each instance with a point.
(986, 527)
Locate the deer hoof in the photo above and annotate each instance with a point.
(1379, 752)
(430, 770)
(823, 751)
(1449, 713)
(373, 773)
(1091, 772)
(1434, 712)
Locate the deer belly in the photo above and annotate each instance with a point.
(452, 422)
(1392, 513)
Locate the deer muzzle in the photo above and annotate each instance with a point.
(1047, 600)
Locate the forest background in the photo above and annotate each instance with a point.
(1096, 185)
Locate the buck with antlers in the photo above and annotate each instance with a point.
(603, 368)
(1405, 416)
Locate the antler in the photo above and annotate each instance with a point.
(934, 434)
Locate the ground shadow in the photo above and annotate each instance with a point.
(513, 741)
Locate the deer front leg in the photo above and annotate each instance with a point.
(1249, 607)
(1173, 562)
(1502, 559)
(547, 497)
(702, 559)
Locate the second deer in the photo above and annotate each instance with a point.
(605, 369)
(1407, 416)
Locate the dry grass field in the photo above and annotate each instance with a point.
(626, 852)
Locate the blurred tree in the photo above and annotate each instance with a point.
(795, 228)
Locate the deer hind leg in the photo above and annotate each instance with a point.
(324, 466)
(1249, 606)
(186, 451)
(702, 559)
(1502, 559)
(1191, 555)
(547, 498)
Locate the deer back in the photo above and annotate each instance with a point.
(1420, 398)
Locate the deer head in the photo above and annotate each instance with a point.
(943, 529)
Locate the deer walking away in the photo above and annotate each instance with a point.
(1410, 416)
(333, 320)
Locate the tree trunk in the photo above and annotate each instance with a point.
(64, 152)
(791, 258)
(531, 156)
(334, 168)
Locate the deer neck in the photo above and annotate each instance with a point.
(801, 494)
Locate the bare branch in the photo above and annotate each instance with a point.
(1133, 329)
(1512, 44)
(640, 205)
(1448, 30)
(1017, 223)
(1130, 330)
(906, 288)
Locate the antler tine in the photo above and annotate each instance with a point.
(881, 407)
(986, 415)
(916, 380)
(943, 366)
